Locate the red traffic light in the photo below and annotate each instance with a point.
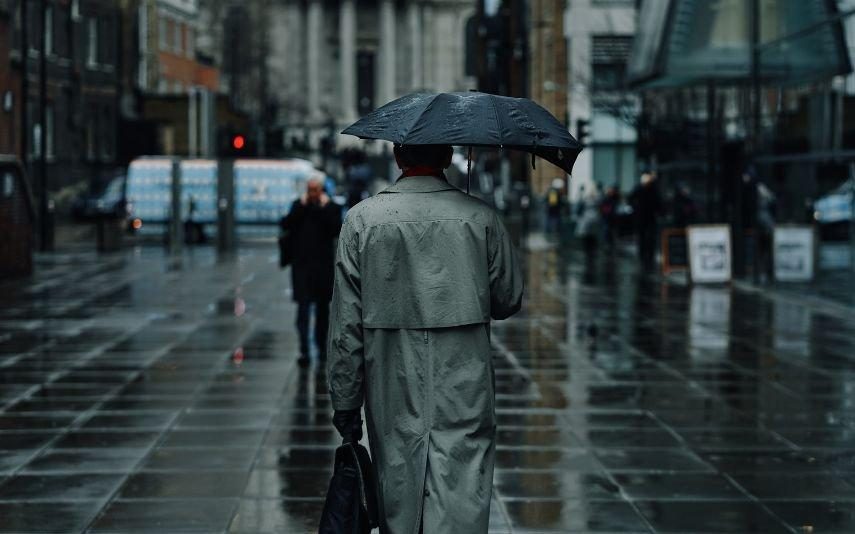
(238, 142)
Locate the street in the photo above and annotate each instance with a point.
(147, 394)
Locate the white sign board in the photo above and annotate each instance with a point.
(709, 253)
(793, 253)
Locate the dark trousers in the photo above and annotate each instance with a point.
(322, 321)
(647, 245)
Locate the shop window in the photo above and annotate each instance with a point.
(92, 42)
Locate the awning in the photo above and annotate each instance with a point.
(686, 42)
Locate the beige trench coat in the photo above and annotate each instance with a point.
(421, 269)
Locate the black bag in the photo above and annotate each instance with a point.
(351, 504)
(285, 249)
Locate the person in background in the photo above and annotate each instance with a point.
(358, 176)
(554, 206)
(194, 231)
(314, 222)
(588, 226)
(608, 212)
(684, 211)
(766, 207)
(646, 206)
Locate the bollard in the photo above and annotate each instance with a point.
(225, 206)
(176, 226)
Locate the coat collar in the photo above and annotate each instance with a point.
(419, 184)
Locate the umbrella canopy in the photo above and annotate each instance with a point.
(471, 119)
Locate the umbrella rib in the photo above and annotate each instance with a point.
(432, 100)
(498, 122)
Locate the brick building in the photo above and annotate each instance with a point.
(168, 59)
(81, 42)
(9, 84)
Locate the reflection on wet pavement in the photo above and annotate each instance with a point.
(139, 394)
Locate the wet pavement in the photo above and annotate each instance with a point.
(142, 394)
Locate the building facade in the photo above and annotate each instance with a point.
(167, 35)
(10, 84)
(168, 60)
(600, 34)
(79, 116)
(548, 74)
(331, 61)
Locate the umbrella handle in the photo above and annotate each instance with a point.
(469, 171)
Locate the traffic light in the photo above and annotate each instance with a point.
(238, 142)
(233, 143)
(583, 130)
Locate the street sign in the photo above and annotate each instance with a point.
(710, 253)
(675, 250)
(794, 252)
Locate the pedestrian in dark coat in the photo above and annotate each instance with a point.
(646, 206)
(313, 224)
(608, 212)
(684, 211)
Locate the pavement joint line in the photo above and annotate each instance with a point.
(756, 500)
(497, 496)
(148, 450)
(512, 359)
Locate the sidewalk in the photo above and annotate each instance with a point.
(148, 394)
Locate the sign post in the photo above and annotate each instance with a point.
(675, 250)
(793, 252)
(710, 253)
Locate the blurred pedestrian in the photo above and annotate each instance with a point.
(421, 269)
(194, 231)
(608, 211)
(589, 224)
(766, 207)
(555, 205)
(684, 211)
(313, 224)
(646, 206)
(358, 176)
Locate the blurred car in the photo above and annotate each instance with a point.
(111, 201)
(833, 212)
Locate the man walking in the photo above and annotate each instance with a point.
(646, 206)
(421, 269)
(312, 224)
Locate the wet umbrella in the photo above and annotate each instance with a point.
(471, 119)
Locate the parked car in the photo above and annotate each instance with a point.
(111, 201)
(833, 212)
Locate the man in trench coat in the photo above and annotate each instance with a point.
(420, 270)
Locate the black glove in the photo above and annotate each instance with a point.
(349, 424)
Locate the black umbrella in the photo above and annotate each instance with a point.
(471, 119)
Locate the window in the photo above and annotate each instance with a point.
(92, 42)
(607, 76)
(163, 33)
(48, 27)
(91, 137)
(191, 42)
(33, 27)
(36, 142)
(49, 132)
(75, 10)
(36, 132)
(177, 45)
(62, 17)
(609, 55)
